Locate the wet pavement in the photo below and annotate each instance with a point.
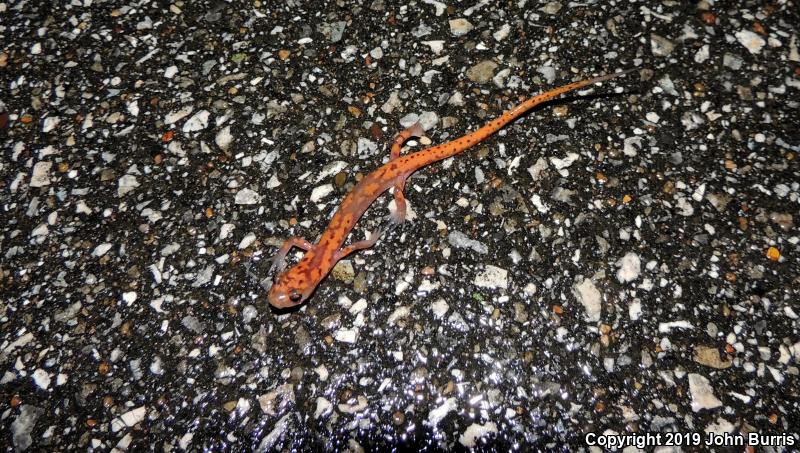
(624, 261)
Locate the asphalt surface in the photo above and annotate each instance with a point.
(622, 261)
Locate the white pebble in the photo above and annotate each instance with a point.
(197, 122)
(177, 115)
(701, 393)
(475, 432)
(224, 138)
(399, 313)
(323, 407)
(460, 27)
(589, 296)
(436, 46)
(247, 196)
(128, 419)
(133, 108)
(49, 123)
(492, 277)
(346, 335)
(750, 40)
(665, 327)
(635, 309)
(41, 174)
(101, 249)
(41, 378)
(247, 240)
(436, 415)
(702, 54)
(630, 266)
(126, 184)
(502, 33)
(321, 192)
(440, 307)
(170, 71)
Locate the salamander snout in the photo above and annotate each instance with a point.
(286, 292)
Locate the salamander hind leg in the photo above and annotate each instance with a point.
(415, 130)
(398, 215)
(279, 259)
(356, 246)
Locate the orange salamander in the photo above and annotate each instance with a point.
(295, 285)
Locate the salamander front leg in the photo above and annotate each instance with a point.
(414, 131)
(356, 246)
(279, 259)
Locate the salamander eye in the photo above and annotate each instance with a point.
(295, 296)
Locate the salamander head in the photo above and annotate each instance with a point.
(291, 288)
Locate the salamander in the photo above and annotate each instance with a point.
(295, 285)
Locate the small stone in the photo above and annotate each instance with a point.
(170, 72)
(40, 176)
(551, 8)
(436, 46)
(474, 432)
(197, 122)
(128, 419)
(774, 254)
(399, 313)
(460, 27)
(502, 33)
(702, 55)
(436, 415)
(23, 425)
(320, 192)
(398, 418)
(482, 72)
(346, 335)
(732, 61)
(492, 277)
(589, 296)
(439, 308)
(101, 249)
(177, 115)
(340, 179)
(660, 46)
(129, 297)
(709, 356)
(247, 241)
(752, 41)
(247, 197)
(344, 271)
(224, 138)
(701, 393)
(126, 184)
(629, 267)
(49, 123)
(323, 407)
(41, 378)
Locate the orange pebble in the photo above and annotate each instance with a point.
(773, 254)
